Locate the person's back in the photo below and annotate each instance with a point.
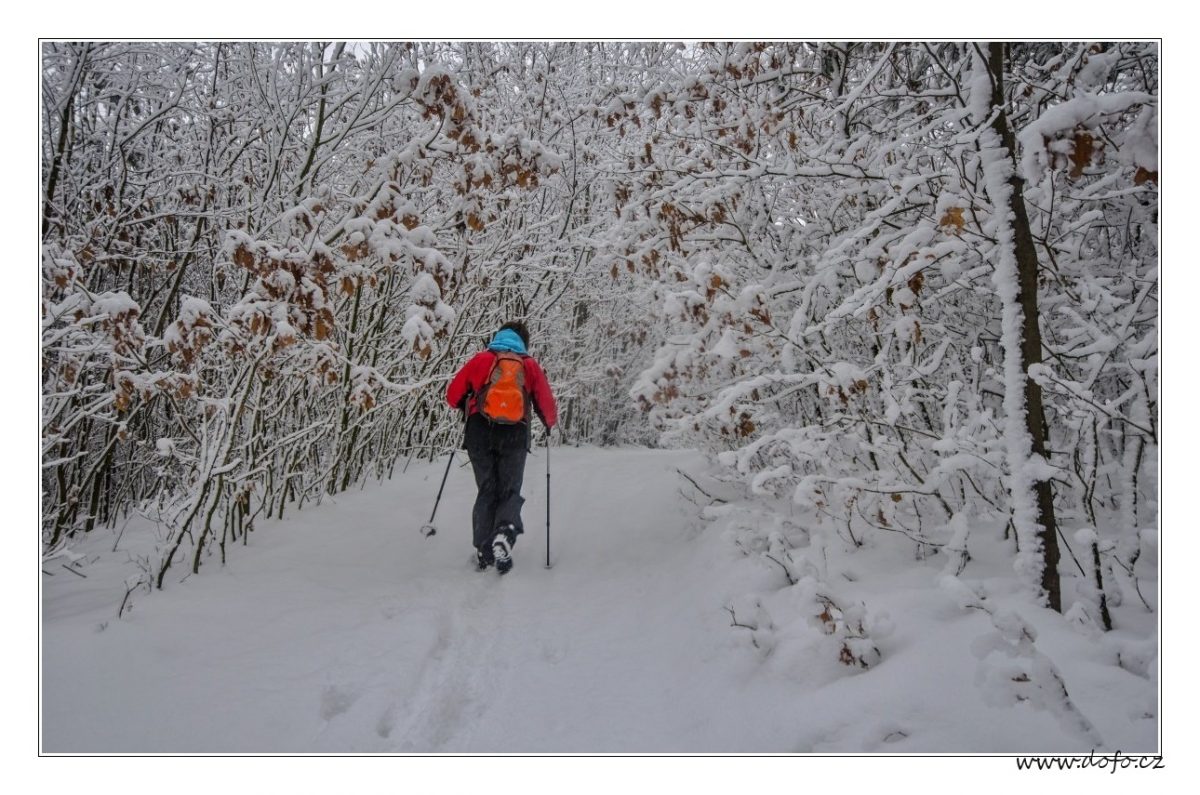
(499, 389)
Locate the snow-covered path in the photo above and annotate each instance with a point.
(342, 629)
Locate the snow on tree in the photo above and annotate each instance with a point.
(261, 262)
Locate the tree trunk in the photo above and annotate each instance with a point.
(1031, 335)
(68, 103)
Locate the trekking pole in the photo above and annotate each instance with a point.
(429, 529)
(547, 499)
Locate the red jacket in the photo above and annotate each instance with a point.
(468, 382)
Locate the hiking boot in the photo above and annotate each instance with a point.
(502, 548)
(483, 558)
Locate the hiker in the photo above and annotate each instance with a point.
(499, 388)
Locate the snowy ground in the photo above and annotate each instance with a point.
(341, 629)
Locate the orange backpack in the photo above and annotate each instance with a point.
(503, 398)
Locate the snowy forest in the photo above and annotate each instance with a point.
(901, 299)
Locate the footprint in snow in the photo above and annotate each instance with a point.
(335, 700)
(387, 722)
(553, 653)
(390, 608)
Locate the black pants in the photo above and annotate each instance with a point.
(497, 454)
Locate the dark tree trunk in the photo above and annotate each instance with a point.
(1031, 335)
(68, 104)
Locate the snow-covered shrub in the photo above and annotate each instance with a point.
(1014, 671)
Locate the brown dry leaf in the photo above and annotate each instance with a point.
(243, 258)
(355, 252)
(1081, 154)
(1142, 176)
(953, 218)
(897, 497)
